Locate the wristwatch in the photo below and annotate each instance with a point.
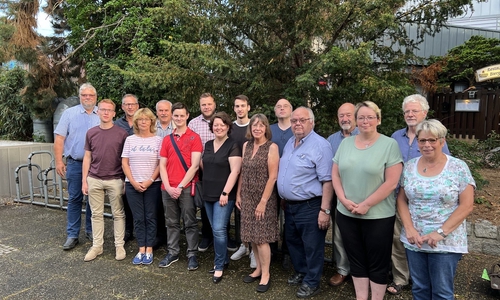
(441, 232)
(180, 187)
(224, 193)
(326, 211)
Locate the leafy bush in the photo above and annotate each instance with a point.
(477, 154)
(491, 150)
(15, 117)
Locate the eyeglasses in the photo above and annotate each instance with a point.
(301, 121)
(431, 141)
(368, 118)
(130, 104)
(412, 111)
(143, 119)
(87, 95)
(282, 106)
(108, 111)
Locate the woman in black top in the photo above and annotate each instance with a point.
(221, 163)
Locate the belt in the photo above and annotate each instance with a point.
(69, 157)
(294, 202)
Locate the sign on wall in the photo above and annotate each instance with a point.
(488, 73)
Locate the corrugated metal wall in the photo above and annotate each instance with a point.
(447, 39)
(13, 154)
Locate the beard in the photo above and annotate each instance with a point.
(412, 123)
(346, 126)
(88, 106)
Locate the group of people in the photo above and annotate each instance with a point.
(352, 180)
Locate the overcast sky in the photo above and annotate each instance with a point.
(44, 26)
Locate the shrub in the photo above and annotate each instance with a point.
(477, 154)
(15, 117)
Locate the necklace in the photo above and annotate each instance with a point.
(369, 142)
(430, 166)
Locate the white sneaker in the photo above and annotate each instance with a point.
(253, 263)
(242, 251)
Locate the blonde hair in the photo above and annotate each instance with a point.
(370, 105)
(108, 101)
(144, 112)
(433, 127)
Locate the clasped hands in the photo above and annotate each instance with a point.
(354, 208)
(416, 239)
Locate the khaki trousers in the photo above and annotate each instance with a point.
(114, 189)
(400, 270)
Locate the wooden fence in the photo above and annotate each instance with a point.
(465, 124)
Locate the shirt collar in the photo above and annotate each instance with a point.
(303, 140)
(158, 124)
(82, 109)
(354, 132)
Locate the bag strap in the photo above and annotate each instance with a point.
(178, 152)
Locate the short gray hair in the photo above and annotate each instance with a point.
(433, 127)
(309, 111)
(163, 101)
(130, 96)
(86, 86)
(416, 98)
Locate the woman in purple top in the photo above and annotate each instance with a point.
(142, 183)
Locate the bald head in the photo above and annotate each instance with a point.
(283, 109)
(345, 114)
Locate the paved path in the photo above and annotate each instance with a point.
(34, 266)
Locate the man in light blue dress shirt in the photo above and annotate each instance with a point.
(305, 184)
(69, 142)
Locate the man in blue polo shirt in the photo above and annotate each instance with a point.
(415, 108)
(348, 127)
(69, 142)
(305, 184)
(281, 133)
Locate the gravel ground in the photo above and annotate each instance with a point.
(34, 266)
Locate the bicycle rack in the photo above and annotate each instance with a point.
(47, 186)
(40, 188)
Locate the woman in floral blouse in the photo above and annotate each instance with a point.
(436, 195)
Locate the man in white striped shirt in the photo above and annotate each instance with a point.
(200, 125)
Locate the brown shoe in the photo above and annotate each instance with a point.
(337, 279)
(93, 253)
(120, 253)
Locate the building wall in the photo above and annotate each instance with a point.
(486, 15)
(14, 154)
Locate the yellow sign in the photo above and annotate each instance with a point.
(488, 73)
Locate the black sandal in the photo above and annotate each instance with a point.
(397, 287)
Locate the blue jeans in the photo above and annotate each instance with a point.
(143, 206)
(305, 240)
(74, 212)
(432, 274)
(219, 217)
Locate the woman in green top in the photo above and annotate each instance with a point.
(365, 173)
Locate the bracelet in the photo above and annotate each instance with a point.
(152, 180)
